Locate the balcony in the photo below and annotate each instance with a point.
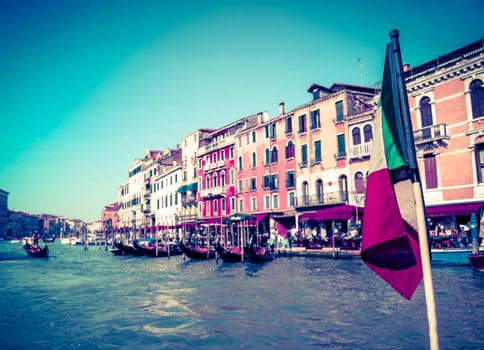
(360, 151)
(214, 192)
(188, 199)
(319, 200)
(433, 134)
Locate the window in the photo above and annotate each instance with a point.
(315, 120)
(232, 176)
(253, 184)
(304, 154)
(477, 98)
(254, 139)
(343, 187)
(426, 117)
(253, 204)
(267, 204)
(317, 151)
(288, 125)
(266, 181)
(215, 157)
(222, 154)
(356, 136)
(215, 206)
(241, 205)
(231, 153)
(305, 192)
(368, 132)
(302, 123)
(480, 162)
(215, 180)
(222, 178)
(341, 145)
(274, 181)
(241, 186)
(275, 201)
(290, 178)
(266, 131)
(254, 160)
(207, 182)
(240, 163)
(267, 157)
(319, 191)
(359, 182)
(273, 131)
(232, 204)
(274, 155)
(291, 199)
(290, 150)
(339, 111)
(430, 166)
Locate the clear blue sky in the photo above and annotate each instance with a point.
(87, 86)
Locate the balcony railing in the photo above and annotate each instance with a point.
(430, 134)
(218, 191)
(360, 151)
(326, 198)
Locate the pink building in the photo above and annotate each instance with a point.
(109, 216)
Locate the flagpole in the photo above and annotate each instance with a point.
(396, 60)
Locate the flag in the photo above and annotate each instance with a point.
(390, 244)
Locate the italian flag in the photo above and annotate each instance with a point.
(390, 244)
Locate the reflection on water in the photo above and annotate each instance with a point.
(92, 299)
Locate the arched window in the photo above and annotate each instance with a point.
(232, 176)
(305, 190)
(215, 180)
(426, 117)
(274, 155)
(240, 163)
(477, 98)
(356, 134)
(222, 178)
(359, 182)
(319, 191)
(207, 181)
(368, 132)
(267, 159)
(290, 150)
(254, 160)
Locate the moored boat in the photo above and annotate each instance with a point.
(149, 248)
(48, 239)
(257, 254)
(477, 261)
(229, 254)
(35, 251)
(197, 253)
(126, 249)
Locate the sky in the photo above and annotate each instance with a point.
(87, 86)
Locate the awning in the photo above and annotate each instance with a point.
(190, 187)
(340, 212)
(307, 216)
(182, 189)
(259, 217)
(242, 217)
(454, 209)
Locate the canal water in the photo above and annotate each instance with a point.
(92, 299)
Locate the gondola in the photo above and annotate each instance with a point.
(231, 254)
(477, 261)
(257, 254)
(150, 249)
(126, 249)
(35, 251)
(197, 253)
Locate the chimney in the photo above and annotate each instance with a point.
(281, 108)
(406, 67)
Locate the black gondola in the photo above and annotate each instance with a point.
(259, 254)
(150, 249)
(35, 251)
(125, 249)
(197, 253)
(231, 254)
